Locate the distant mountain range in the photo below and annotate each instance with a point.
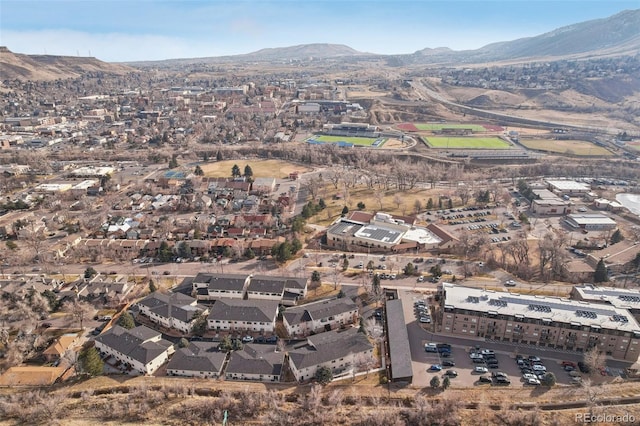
(617, 35)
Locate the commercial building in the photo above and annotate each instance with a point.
(568, 187)
(382, 232)
(542, 321)
(590, 222)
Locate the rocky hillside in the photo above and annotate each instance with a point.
(49, 67)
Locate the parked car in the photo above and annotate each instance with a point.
(451, 373)
(247, 339)
(425, 320)
(509, 283)
(435, 367)
(502, 381)
(484, 379)
(480, 370)
(584, 367)
(430, 347)
(448, 363)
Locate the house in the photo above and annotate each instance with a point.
(199, 359)
(175, 310)
(58, 348)
(214, 286)
(255, 362)
(110, 289)
(336, 350)
(324, 315)
(257, 316)
(141, 348)
(617, 257)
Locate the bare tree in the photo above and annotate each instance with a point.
(594, 359)
(78, 309)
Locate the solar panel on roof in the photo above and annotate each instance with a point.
(497, 302)
(473, 299)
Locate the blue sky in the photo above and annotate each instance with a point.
(129, 30)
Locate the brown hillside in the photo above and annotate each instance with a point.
(49, 67)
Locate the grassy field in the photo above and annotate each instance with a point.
(439, 126)
(260, 168)
(457, 142)
(350, 139)
(573, 147)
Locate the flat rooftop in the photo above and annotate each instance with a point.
(379, 233)
(551, 309)
(422, 236)
(569, 185)
(590, 219)
(619, 297)
(399, 350)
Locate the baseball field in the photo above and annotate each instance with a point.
(571, 147)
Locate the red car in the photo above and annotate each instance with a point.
(568, 363)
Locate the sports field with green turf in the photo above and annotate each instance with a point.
(356, 140)
(466, 143)
(434, 127)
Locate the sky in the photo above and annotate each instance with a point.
(137, 30)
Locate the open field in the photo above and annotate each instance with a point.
(355, 140)
(573, 147)
(457, 142)
(260, 168)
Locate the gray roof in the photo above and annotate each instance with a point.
(399, 350)
(344, 228)
(234, 282)
(325, 347)
(135, 342)
(198, 356)
(175, 305)
(318, 310)
(256, 359)
(244, 310)
(266, 284)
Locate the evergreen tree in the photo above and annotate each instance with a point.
(164, 252)
(173, 163)
(429, 203)
(152, 286)
(435, 382)
(375, 284)
(446, 382)
(198, 171)
(549, 379)
(90, 272)
(345, 264)
(199, 327)
(296, 245)
(409, 269)
(183, 343)
(324, 375)
(315, 277)
(345, 210)
(248, 173)
(126, 321)
(235, 171)
(617, 237)
(450, 203)
(219, 156)
(249, 253)
(321, 204)
(361, 205)
(90, 362)
(601, 275)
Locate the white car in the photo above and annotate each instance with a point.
(509, 283)
(425, 320)
(533, 381)
(537, 367)
(480, 370)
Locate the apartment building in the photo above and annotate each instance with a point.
(543, 321)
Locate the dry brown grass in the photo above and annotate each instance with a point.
(261, 168)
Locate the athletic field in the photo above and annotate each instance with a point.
(571, 147)
(458, 142)
(347, 140)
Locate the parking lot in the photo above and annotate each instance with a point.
(460, 354)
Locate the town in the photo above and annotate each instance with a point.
(260, 224)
